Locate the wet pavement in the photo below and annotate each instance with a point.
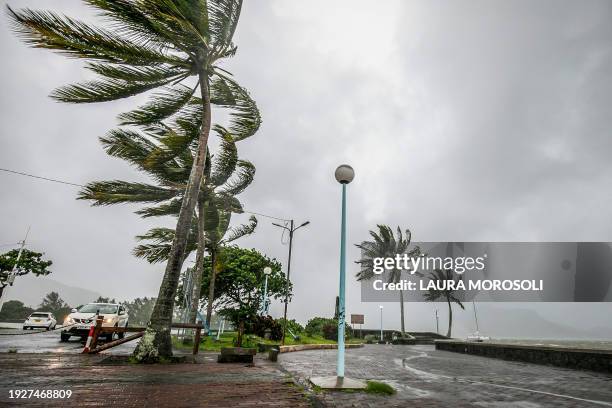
(49, 342)
(103, 381)
(425, 377)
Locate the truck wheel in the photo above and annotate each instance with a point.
(64, 337)
(122, 334)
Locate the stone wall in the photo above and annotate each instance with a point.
(586, 359)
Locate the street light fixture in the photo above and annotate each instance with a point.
(264, 309)
(291, 230)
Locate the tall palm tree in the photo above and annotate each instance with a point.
(384, 245)
(447, 294)
(153, 43)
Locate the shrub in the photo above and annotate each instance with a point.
(327, 328)
(292, 325)
(259, 324)
(370, 338)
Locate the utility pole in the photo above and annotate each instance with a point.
(11, 277)
(291, 230)
(437, 326)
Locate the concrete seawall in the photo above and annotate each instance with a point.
(585, 359)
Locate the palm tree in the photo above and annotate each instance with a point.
(151, 44)
(225, 177)
(217, 234)
(384, 245)
(432, 295)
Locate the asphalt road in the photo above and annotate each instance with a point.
(425, 377)
(49, 342)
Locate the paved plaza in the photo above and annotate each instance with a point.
(425, 377)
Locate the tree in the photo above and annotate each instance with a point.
(29, 262)
(14, 309)
(384, 245)
(447, 294)
(53, 303)
(102, 299)
(154, 43)
(140, 310)
(240, 283)
(226, 176)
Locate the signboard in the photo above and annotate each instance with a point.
(357, 319)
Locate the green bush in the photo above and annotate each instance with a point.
(292, 325)
(259, 324)
(370, 338)
(325, 327)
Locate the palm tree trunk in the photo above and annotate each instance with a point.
(401, 293)
(197, 278)
(211, 286)
(450, 317)
(156, 341)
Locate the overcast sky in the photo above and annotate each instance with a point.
(465, 121)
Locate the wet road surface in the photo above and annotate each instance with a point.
(425, 377)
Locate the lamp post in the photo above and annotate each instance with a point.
(267, 271)
(291, 230)
(381, 326)
(344, 175)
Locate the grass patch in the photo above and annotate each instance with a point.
(376, 387)
(210, 343)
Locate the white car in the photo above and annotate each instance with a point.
(80, 320)
(42, 320)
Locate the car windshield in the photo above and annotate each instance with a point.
(93, 308)
(39, 315)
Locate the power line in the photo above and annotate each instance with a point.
(80, 185)
(42, 178)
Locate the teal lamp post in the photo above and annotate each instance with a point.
(344, 175)
(265, 304)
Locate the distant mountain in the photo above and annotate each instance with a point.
(31, 290)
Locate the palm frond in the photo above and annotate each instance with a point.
(117, 191)
(45, 29)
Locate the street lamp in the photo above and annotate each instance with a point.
(267, 272)
(381, 327)
(344, 175)
(291, 230)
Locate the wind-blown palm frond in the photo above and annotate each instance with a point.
(116, 191)
(160, 107)
(45, 29)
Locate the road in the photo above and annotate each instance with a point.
(425, 377)
(49, 342)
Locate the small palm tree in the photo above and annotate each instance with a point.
(433, 295)
(168, 161)
(384, 245)
(154, 44)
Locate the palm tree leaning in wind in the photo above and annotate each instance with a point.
(384, 245)
(433, 295)
(150, 44)
(225, 176)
